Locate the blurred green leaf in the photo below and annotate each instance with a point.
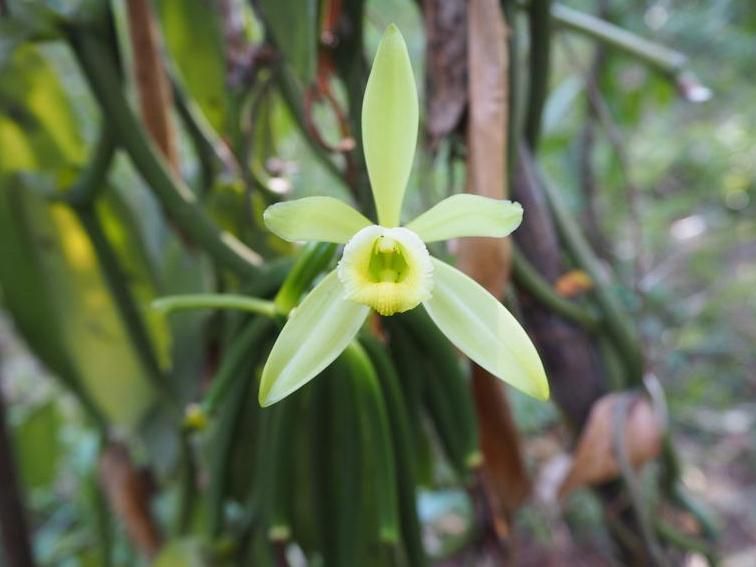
(37, 445)
(185, 552)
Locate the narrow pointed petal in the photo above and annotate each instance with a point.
(315, 334)
(314, 218)
(467, 215)
(389, 125)
(481, 327)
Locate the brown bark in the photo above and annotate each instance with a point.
(152, 83)
(487, 260)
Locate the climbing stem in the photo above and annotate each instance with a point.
(99, 66)
(528, 278)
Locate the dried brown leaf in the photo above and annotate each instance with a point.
(595, 461)
(487, 259)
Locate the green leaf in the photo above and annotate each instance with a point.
(49, 274)
(467, 215)
(37, 126)
(481, 327)
(389, 125)
(317, 331)
(322, 219)
(185, 552)
(37, 445)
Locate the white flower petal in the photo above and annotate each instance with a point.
(317, 331)
(389, 125)
(467, 215)
(324, 219)
(481, 327)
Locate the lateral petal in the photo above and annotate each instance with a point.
(317, 331)
(481, 327)
(324, 219)
(467, 215)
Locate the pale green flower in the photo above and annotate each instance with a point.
(387, 267)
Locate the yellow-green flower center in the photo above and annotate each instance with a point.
(388, 269)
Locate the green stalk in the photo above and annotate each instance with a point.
(200, 133)
(313, 259)
(401, 430)
(613, 315)
(101, 70)
(664, 59)
(539, 19)
(253, 333)
(531, 281)
(172, 303)
(92, 179)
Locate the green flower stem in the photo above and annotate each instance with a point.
(101, 70)
(614, 317)
(531, 281)
(172, 303)
(124, 300)
(234, 375)
(668, 61)
(187, 486)
(200, 133)
(539, 20)
(313, 259)
(92, 179)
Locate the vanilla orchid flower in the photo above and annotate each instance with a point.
(387, 267)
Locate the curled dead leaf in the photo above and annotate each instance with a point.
(594, 459)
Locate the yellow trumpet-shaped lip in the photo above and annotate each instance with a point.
(388, 269)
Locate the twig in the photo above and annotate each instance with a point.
(664, 59)
(99, 67)
(526, 276)
(13, 525)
